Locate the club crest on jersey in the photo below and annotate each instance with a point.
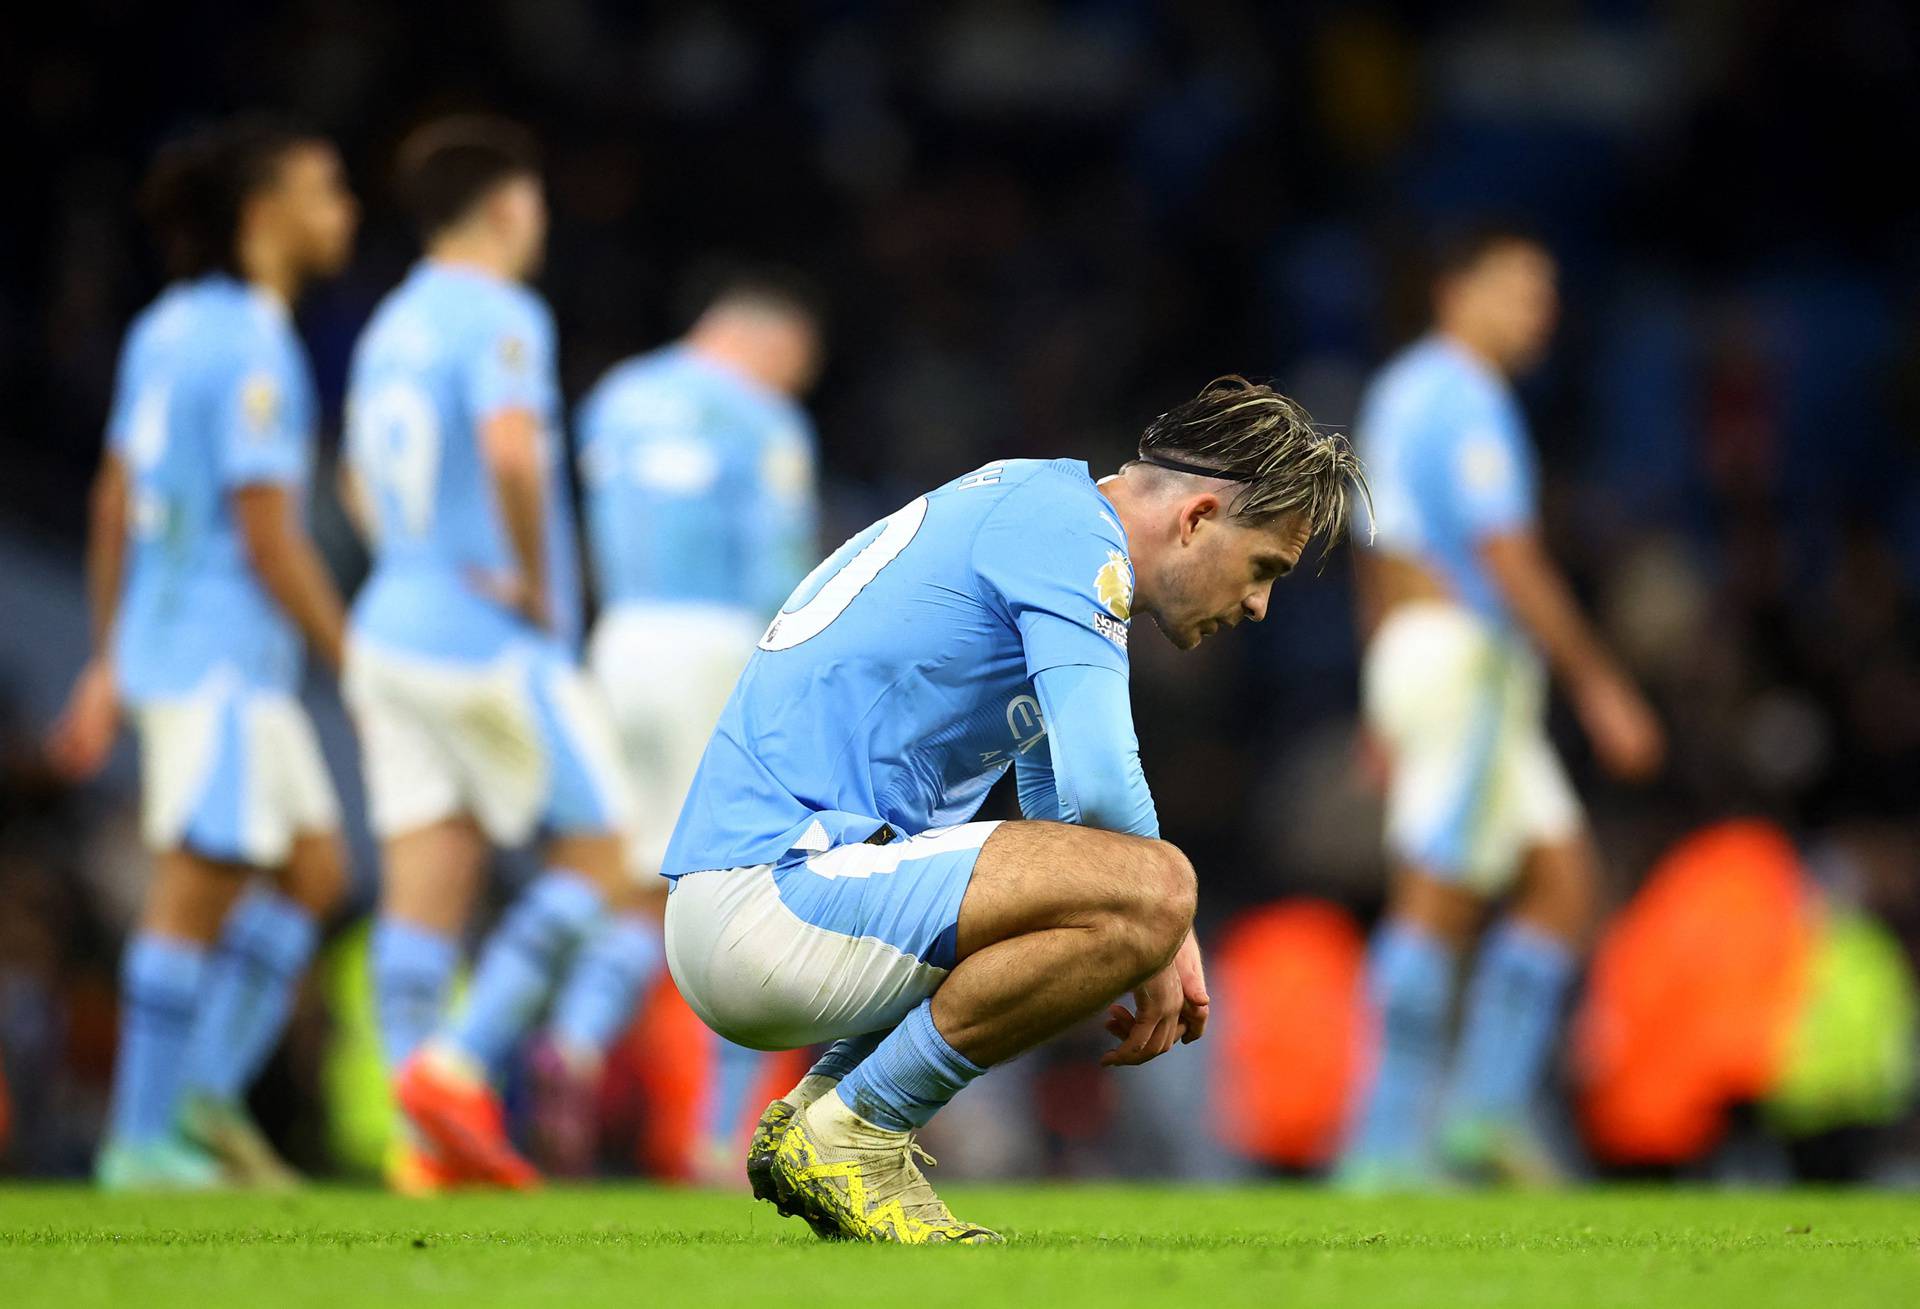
(513, 354)
(1113, 585)
(260, 402)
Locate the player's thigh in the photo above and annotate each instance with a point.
(409, 716)
(1034, 876)
(315, 872)
(583, 801)
(1440, 906)
(431, 876)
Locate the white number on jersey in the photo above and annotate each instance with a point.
(832, 586)
(394, 442)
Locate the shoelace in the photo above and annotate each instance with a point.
(910, 1186)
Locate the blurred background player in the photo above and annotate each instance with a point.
(1460, 605)
(699, 470)
(203, 582)
(478, 726)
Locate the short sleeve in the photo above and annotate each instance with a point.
(510, 363)
(257, 421)
(1058, 564)
(1490, 472)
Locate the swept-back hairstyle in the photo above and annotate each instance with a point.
(199, 183)
(1249, 433)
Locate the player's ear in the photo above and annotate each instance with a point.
(1196, 511)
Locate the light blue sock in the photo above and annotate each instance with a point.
(1513, 1010)
(614, 968)
(844, 1055)
(160, 986)
(736, 1071)
(263, 950)
(412, 970)
(909, 1075)
(1410, 979)
(522, 962)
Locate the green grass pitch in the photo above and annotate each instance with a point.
(1094, 1245)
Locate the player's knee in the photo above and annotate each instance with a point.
(316, 875)
(1176, 894)
(1160, 896)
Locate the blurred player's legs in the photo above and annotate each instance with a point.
(457, 756)
(1476, 799)
(232, 783)
(965, 946)
(667, 671)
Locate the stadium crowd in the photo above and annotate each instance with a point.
(1031, 221)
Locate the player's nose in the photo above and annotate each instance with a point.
(1256, 604)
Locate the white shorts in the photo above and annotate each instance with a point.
(1461, 709)
(816, 947)
(521, 742)
(667, 671)
(231, 774)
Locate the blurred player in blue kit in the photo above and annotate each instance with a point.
(698, 465)
(478, 727)
(1462, 605)
(828, 884)
(203, 584)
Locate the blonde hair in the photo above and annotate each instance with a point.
(1249, 433)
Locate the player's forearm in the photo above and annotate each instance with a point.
(290, 569)
(106, 550)
(520, 499)
(1540, 598)
(512, 444)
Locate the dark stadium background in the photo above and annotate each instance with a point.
(1039, 225)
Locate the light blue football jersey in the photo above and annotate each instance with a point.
(699, 485)
(214, 393)
(448, 349)
(896, 685)
(1449, 464)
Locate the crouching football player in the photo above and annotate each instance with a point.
(828, 886)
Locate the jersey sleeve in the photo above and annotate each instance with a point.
(1488, 468)
(780, 521)
(509, 362)
(1058, 566)
(1093, 752)
(257, 423)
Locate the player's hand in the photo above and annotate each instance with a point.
(511, 591)
(82, 737)
(1150, 1028)
(1193, 990)
(1626, 736)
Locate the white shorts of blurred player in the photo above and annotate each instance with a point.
(232, 774)
(667, 671)
(520, 742)
(1461, 708)
(821, 944)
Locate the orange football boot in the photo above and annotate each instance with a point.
(460, 1117)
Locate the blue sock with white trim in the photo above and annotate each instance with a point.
(522, 962)
(909, 1075)
(1513, 1010)
(1410, 979)
(614, 968)
(263, 950)
(160, 985)
(412, 971)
